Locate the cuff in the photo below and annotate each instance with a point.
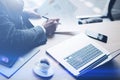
(43, 29)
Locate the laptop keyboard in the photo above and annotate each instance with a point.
(83, 56)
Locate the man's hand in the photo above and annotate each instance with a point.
(50, 26)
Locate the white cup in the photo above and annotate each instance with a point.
(44, 66)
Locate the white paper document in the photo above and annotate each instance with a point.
(56, 8)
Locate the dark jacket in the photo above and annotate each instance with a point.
(18, 35)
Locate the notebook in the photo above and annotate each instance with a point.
(8, 70)
(78, 54)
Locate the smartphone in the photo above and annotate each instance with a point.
(8, 61)
(97, 36)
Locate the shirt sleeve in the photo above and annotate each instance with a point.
(20, 39)
(43, 29)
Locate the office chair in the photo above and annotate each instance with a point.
(96, 19)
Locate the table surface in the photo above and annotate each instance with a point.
(108, 71)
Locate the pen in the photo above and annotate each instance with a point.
(45, 17)
(48, 18)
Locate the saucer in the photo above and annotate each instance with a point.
(38, 72)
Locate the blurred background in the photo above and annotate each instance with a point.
(77, 7)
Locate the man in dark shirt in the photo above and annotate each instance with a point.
(17, 34)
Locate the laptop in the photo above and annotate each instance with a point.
(78, 54)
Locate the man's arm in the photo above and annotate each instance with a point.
(16, 39)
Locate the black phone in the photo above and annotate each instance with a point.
(8, 60)
(97, 36)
